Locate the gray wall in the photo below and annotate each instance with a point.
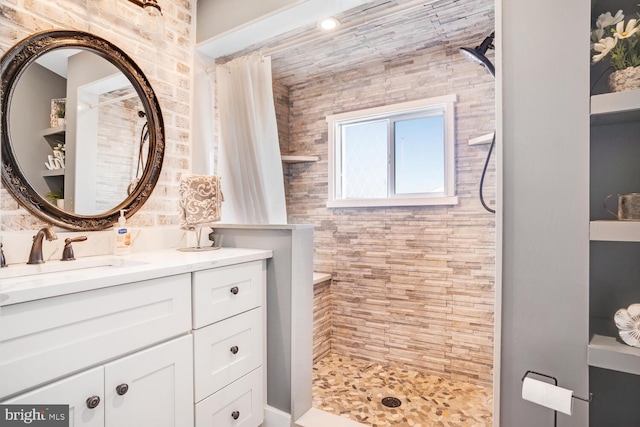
(289, 309)
(545, 267)
(29, 116)
(217, 16)
(81, 157)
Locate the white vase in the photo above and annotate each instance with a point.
(626, 79)
(60, 203)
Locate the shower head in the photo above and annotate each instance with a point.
(477, 54)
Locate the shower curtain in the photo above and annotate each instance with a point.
(249, 161)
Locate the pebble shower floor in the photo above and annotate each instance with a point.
(354, 388)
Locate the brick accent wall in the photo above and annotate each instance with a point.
(167, 65)
(412, 286)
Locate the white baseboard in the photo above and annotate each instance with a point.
(275, 418)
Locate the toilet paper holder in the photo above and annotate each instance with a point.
(555, 380)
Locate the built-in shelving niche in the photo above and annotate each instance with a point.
(614, 374)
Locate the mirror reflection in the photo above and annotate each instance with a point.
(86, 142)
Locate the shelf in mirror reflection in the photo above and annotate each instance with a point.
(614, 231)
(54, 131)
(53, 172)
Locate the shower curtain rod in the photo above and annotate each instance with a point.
(347, 26)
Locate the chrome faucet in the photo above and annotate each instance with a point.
(35, 256)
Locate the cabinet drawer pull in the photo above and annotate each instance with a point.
(235, 290)
(234, 349)
(122, 389)
(235, 415)
(93, 402)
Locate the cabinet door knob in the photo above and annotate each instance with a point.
(235, 290)
(234, 349)
(235, 415)
(122, 389)
(93, 402)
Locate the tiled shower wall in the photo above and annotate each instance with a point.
(322, 309)
(412, 286)
(167, 64)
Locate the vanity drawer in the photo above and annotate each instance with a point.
(227, 350)
(223, 292)
(53, 337)
(242, 399)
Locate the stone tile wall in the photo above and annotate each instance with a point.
(322, 313)
(166, 64)
(412, 286)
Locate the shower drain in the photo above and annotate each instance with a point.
(391, 402)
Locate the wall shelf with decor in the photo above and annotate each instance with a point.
(615, 107)
(614, 231)
(55, 177)
(608, 353)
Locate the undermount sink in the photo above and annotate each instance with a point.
(24, 270)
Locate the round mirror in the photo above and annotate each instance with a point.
(82, 131)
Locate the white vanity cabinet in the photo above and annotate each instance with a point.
(177, 345)
(76, 391)
(229, 345)
(152, 387)
(51, 338)
(133, 336)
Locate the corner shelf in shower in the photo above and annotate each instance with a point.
(483, 139)
(299, 159)
(320, 278)
(615, 107)
(614, 231)
(608, 353)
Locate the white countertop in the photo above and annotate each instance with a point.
(109, 270)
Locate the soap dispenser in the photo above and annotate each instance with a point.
(122, 236)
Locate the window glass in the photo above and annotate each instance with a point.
(364, 160)
(419, 155)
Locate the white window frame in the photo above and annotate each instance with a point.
(446, 103)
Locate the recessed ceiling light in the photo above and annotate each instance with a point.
(328, 24)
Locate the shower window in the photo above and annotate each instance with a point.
(396, 155)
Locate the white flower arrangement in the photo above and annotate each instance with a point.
(628, 321)
(613, 38)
